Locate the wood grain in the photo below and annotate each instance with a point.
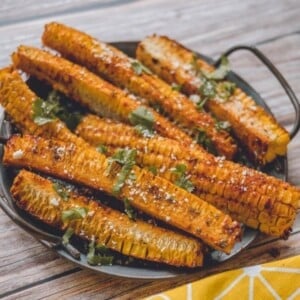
(31, 271)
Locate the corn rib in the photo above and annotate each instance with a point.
(256, 129)
(148, 193)
(105, 226)
(230, 187)
(118, 68)
(88, 89)
(18, 100)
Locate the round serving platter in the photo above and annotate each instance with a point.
(278, 169)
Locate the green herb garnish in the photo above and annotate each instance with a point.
(212, 86)
(221, 72)
(96, 259)
(176, 87)
(143, 120)
(125, 157)
(102, 149)
(67, 235)
(205, 141)
(200, 104)
(48, 111)
(225, 89)
(74, 214)
(44, 112)
(61, 191)
(129, 210)
(153, 170)
(208, 89)
(182, 178)
(139, 68)
(71, 119)
(223, 125)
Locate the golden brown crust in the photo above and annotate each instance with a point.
(88, 89)
(151, 194)
(105, 226)
(114, 65)
(256, 129)
(230, 187)
(18, 100)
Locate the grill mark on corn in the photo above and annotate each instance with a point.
(116, 67)
(88, 89)
(230, 187)
(18, 99)
(90, 164)
(110, 228)
(258, 130)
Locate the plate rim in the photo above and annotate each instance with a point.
(153, 274)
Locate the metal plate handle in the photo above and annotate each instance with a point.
(290, 93)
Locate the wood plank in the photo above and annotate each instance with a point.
(16, 11)
(23, 260)
(201, 23)
(89, 285)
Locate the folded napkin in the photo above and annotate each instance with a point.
(275, 280)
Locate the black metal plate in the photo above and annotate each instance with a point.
(277, 169)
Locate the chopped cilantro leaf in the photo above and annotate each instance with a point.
(223, 125)
(153, 170)
(67, 235)
(221, 72)
(201, 103)
(208, 89)
(176, 87)
(205, 141)
(129, 210)
(44, 112)
(225, 89)
(181, 178)
(48, 111)
(125, 157)
(74, 214)
(143, 120)
(95, 259)
(61, 191)
(102, 149)
(139, 68)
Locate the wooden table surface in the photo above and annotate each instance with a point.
(28, 270)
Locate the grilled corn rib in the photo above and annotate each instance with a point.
(88, 89)
(18, 100)
(255, 128)
(148, 193)
(105, 226)
(118, 68)
(230, 187)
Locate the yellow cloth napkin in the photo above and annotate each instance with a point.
(275, 280)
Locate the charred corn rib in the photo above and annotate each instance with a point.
(148, 193)
(105, 226)
(256, 129)
(18, 100)
(232, 188)
(118, 68)
(88, 89)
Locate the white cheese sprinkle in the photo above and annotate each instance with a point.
(195, 98)
(90, 213)
(54, 201)
(18, 154)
